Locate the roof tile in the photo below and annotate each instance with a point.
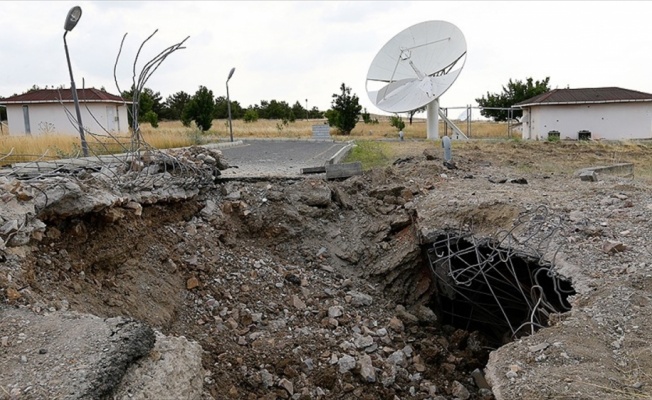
(586, 95)
(63, 95)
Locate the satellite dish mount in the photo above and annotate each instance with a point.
(415, 68)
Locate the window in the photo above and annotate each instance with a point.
(28, 129)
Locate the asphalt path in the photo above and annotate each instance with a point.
(279, 158)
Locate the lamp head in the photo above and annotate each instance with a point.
(231, 73)
(72, 18)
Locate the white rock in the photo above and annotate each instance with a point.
(359, 299)
(367, 370)
(335, 311)
(346, 363)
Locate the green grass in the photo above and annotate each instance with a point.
(370, 153)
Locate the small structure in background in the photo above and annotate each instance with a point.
(45, 111)
(322, 131)
(609, 113)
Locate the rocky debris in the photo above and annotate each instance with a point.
(318, 289)
(170, 176)
(612, 247)
(430, 154)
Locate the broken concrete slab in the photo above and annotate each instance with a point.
(172, 370)
(589, 176)
(313, 170)
(68, 355)
(346, 170)
(622, 169)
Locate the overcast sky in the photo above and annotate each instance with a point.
(298, 50)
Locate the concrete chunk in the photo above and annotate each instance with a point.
(589, 176)
(346, 170)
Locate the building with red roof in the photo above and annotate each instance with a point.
(609, 113)
(52, 111)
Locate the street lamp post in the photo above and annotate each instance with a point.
(228, 101)
(71, 20)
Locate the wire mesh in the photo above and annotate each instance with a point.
(504, 282)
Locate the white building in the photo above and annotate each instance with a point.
(52, 111)
(607, 113)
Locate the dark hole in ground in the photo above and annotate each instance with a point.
(497, 291)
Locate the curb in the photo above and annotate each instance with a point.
(623, 169)
(341, 154)
(223, 145)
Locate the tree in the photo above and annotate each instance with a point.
(299, 111)
(411, 113)
(148, 101)
(174, 105)
(345, 110)
(314, 113)
(222, 109)
(200, 109)
(250, 115)
(366, 117)
(279, 110)
(514, 92)
(152, 118)
(397, 122)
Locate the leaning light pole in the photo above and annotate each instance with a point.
(71, 20)
(228, 101)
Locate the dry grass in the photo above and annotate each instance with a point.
(51, 146)
(527, 156)
(303, 129)
(540, 157)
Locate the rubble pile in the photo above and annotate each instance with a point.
(309, 289)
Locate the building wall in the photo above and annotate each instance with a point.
(612, 121)
(51, 118)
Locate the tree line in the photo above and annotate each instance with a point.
(202, 107)
(345, 112)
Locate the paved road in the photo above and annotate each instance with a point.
(278, 158)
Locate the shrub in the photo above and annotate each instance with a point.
(397, 122)
(152, 118)
(250, 115)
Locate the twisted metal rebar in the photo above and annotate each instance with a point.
(138, 167)
(504, 280)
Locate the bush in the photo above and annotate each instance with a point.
(152, 118)
(397, 122)
(250, 115)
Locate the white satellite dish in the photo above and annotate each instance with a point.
(415, 68)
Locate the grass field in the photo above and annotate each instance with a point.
(377, 144)
(171, 134)
(539, 157)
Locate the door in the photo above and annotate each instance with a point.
(111, 118)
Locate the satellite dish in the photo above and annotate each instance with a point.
(416, 67)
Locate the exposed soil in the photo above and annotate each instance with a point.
(323, 289)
